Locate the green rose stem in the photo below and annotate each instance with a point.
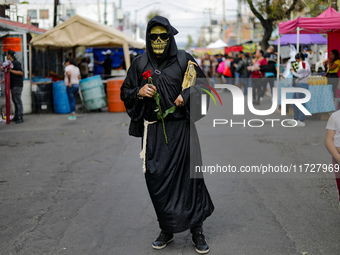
(160, 114)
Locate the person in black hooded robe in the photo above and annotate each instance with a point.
(181, 200)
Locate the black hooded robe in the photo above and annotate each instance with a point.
(180, 202)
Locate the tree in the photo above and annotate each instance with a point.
(317, 7)
(269, 13)
(153, 13)
(190, 42)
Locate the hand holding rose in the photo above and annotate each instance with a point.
(148, 90)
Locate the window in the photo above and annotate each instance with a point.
(70, 12)
(32, 14)
(43, 14)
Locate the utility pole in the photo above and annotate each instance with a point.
(224, 21)
(56, 3)
(98, 6)
(105, 13)
(239, 22)
(210, 10)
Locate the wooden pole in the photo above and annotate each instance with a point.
(297, 40)
(8, 96)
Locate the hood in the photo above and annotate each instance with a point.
(171, 48)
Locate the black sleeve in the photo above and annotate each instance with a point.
(131, 86)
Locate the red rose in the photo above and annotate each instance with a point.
(147, 74)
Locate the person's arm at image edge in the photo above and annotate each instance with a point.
(329, 143)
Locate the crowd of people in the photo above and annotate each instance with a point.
(258, 71)
(244, 70)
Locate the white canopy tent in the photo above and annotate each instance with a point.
(80, 31)
(219, 44)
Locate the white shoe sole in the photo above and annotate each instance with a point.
(162, 247)
(201, 252)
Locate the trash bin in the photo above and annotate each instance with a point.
(92, 91)
(42, 99)
(60, 99)
(114, 103)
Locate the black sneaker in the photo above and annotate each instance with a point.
(201, 246)
(162, 240)
(18, 121)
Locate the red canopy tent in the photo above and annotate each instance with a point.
(327, 22)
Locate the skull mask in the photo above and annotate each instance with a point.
(159, 39)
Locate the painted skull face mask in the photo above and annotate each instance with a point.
(159, 39)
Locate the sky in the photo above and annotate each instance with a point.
(187, 16)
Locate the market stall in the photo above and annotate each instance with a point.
(79, 31)
(304, 39)
(321, 97)
(326, 23)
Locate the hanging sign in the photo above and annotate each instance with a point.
(11, 43)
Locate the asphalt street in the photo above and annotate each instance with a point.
(77, 188)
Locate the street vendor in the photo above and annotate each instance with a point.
(169, 148)
(106, 63)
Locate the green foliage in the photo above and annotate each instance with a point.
(270, 12)
(153, 13)
(317, 6)
(190, 42)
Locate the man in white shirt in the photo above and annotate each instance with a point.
(72, 77)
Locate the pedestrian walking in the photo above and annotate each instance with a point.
(16, 78)
(72, 77)
(169, 148)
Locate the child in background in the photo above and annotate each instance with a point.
(332, 142)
